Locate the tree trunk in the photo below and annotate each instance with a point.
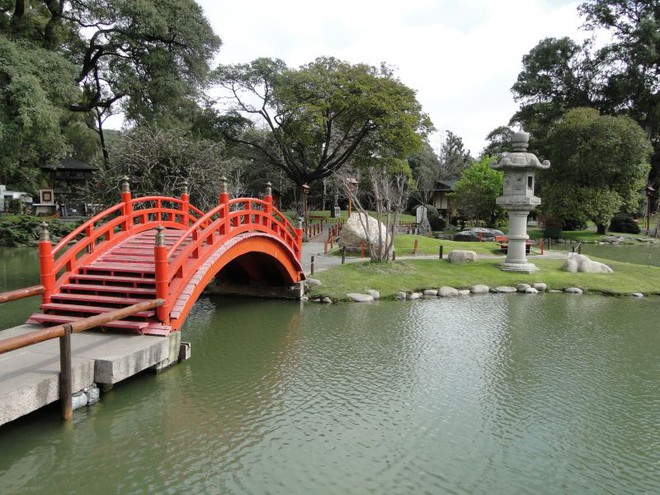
(601, 229)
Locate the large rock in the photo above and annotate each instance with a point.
(360, 229)
(461, 256)
(447, 292)
(581, 263)
(357, 297)
(480, 289)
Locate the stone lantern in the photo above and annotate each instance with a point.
(518, 199)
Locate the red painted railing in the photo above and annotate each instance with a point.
(229, 219)
(202, 233)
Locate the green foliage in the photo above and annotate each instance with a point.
(56, 57)
(157, 162)
(598, 167)
(425, 167)
(620, 78)
(499, 142)
(35, 87)
(25, 230)
(624, 223)
(321, 115)
(475, 192)
(454, 158)
(435, 220)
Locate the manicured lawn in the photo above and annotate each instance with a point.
(415, 275)
(405, 243)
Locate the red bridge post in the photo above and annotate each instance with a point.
(162, 289)
(185, 205)
(126, 199)
(224, 200)
(268, 198)
(46, 263)
(299, 239)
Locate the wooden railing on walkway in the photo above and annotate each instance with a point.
(63, 332)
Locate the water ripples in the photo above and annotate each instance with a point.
(491, 394)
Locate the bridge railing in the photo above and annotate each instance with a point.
(229, 219)
(98, 234)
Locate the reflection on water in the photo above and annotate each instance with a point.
(492, 394)
(486, 394)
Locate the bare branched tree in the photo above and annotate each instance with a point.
(386, 184)
(159, 162)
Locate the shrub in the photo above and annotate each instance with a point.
(552, 228)
(572, 224)
(435, 219)
(624, 223)
(26, 229)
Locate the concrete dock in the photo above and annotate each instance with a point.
(29, 377)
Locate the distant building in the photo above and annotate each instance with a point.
(441, 200)
(69, 180)
(7, 196)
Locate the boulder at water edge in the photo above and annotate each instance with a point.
(581, 263)
(356, 297)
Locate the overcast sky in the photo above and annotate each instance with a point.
(461, 56)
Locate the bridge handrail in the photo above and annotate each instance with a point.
(63, 332)
(205, 220)
(125, 215)
(228, 221)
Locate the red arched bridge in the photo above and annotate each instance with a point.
(165, 248)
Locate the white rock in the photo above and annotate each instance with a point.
(356, 297)
(554, 291)
(573, 290)
(358, 229)
(637, 294)
(326, 300)
(480, 289)
(505, 289)
(304, 298)
(415, 295)
(522, 287)
(374, 293)
(531, 290)
(430, 292)
(462, 256)
(581, 263)
(447, 292)
(402, 296)
(312, 282)
(464, 292)
(540, 286)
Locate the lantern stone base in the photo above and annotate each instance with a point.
(518, 267)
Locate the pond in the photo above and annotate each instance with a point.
(544, 394)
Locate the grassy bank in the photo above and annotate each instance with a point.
(415, 275)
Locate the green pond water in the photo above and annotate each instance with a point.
(494, 394)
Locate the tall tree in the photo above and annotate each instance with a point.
(322, 115)
(633, 62)
(620, 78)
(425, 167)
(474, 194)
(599, 165)
(454, 158)
(36, 85)
(149, 58)
(499, 142)
(557, 75)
